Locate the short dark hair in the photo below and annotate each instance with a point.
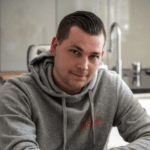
(87, 21)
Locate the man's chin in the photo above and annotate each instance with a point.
(78, 84)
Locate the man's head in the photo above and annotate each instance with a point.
(87, 21)
(77, 55)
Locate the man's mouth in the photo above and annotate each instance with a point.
(79, 75)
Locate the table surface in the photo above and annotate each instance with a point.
(8, 74)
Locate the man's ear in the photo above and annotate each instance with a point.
(54, 46)
(103, 53)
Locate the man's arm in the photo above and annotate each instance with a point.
(132, 120)
(17, 131)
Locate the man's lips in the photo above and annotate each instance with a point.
(79, 75)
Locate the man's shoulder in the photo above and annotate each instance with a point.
(19, 81)
(105, 73)
(110, 80)
(107, 79)
(24, 77)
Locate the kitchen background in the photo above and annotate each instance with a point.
(27, 22)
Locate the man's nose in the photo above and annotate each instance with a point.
(83, 63)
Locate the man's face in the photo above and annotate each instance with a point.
(76, 59)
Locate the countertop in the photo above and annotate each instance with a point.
(138, 83)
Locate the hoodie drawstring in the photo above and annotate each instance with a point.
(92, 114)
(64, 122)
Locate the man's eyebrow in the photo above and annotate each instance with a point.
(80, 49)
(96, 53)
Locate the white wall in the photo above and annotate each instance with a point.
(24, 22)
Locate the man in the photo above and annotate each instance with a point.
(67, 102)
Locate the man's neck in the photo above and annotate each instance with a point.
(70, 91)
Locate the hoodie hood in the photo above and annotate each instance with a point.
(41, 68)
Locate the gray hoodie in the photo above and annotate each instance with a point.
(35, 114)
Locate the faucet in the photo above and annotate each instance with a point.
(119, 61)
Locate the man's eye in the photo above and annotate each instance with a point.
(75, 52)
(94, 56)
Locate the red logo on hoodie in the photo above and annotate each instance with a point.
(87, 122)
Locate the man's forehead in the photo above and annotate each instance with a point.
(95, 42)
(78, 33)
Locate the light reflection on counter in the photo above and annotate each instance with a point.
(138, 83)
